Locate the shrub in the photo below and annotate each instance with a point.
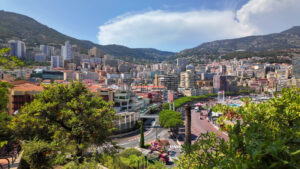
(130, 151)
(84, 165)
(38, 154)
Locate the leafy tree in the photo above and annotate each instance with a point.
(263, 135)
(6, 62)
(170, 119)
(5, 133)
(9, 62)
(4, 92)
(37, 154)
(70, 114)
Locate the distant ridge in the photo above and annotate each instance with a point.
(13, 25)
(278, 41)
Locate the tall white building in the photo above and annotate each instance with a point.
(66, 51)
(44, 49)
(47, 50)
(18, 48)
(56, 61)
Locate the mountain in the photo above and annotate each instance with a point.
(277, 41)
(13, 25)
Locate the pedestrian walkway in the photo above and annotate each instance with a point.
(200, 126)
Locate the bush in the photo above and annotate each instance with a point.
(147, 146)
(38, 154)
(130, 151)
(84, 165)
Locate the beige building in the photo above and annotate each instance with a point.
(187, 79)
(95, 52)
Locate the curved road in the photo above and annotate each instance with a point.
(150, 135)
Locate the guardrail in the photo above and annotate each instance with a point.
(9, 152)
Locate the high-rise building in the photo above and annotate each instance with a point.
(223, 70)
(40, 57)
(18, 48)
(170, 81)
(47, 50)
(219, 83)
(56, 61)
(296, 67)
(95, 52)
(187, 79)
(66, 51)
(44, 49)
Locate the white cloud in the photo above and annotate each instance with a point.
(269, 16)
(179, 30)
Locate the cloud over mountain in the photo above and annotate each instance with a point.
(174, 31)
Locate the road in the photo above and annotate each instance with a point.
(133, 141)
(200, 126)
(150, 135)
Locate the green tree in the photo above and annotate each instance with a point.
(70, 114)
(5, 132)
(7, 61)
(170, 119)
(263, 135)
(142, 141)
(37, 155)
(4, 93)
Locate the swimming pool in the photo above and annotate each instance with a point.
(235, 105)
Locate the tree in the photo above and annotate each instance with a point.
(263, 135)
(70, 114)
(142, 141)
(4, 92)
(5, 133)
(170, 119)
(7, 61)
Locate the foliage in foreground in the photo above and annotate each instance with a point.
(129, 159)
(66, 116)
(5, 132)
(37, 155)
(264, 135)
(7, 61)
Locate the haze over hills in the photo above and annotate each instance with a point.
(13, 25)
(277, 41)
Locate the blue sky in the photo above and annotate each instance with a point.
(164, 24)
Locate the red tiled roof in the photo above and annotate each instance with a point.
(27, 87)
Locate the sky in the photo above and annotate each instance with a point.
(171, 25)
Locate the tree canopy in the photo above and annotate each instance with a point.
(263, 135)
(66, 115)
(5, 133)
(7, 61)
(170, 119)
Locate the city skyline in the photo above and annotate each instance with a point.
(165, 25)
